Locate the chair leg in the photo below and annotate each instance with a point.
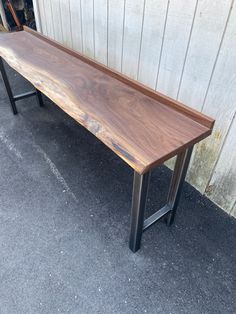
(8, 87)
(178, 177)
(140, 189)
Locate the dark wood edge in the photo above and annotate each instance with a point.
(176, 152)
(179, 107)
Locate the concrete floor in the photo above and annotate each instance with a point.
(64, 226)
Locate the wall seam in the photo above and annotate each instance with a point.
(36, 9)
(71, 38)
(94, 48)
(123, 33)
(81, 26)
(107, 29)
(141, 39)
(59, 4)
(44, 12)
(162, 44)
(217, 54)
(52, 20)
(231, 210)
(186, 53)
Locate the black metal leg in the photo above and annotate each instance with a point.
(8, 87)
(178, 177)
(140, 189)
(39, 98)
(13, 98)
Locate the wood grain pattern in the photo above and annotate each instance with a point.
(175, 105)
(143, 128)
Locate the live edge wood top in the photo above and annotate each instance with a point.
(143, 127)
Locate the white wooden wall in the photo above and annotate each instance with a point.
(185, 49)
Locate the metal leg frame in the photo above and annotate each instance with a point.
(140, 190)
(177, 181)
(13, 98)
(39, 97)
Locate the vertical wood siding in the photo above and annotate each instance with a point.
(185, 49)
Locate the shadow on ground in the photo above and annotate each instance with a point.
(64, 224)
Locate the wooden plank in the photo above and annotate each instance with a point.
(177, 35)
(115, 33)
(222, 187)
(173, 104)
(87, 13)
(152, 36)
(66, 23)
(209, 24)
(48, 18)
(37, 15)
(76, 25)
(132, 37)
(220, 104)
(100, 30)
(139, 129)
(56, 20)
(43, 17)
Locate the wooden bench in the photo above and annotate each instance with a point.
(143, 127)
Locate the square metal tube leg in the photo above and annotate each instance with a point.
(8, 87)
(140, 189)
(39, 97)
(178, 177)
